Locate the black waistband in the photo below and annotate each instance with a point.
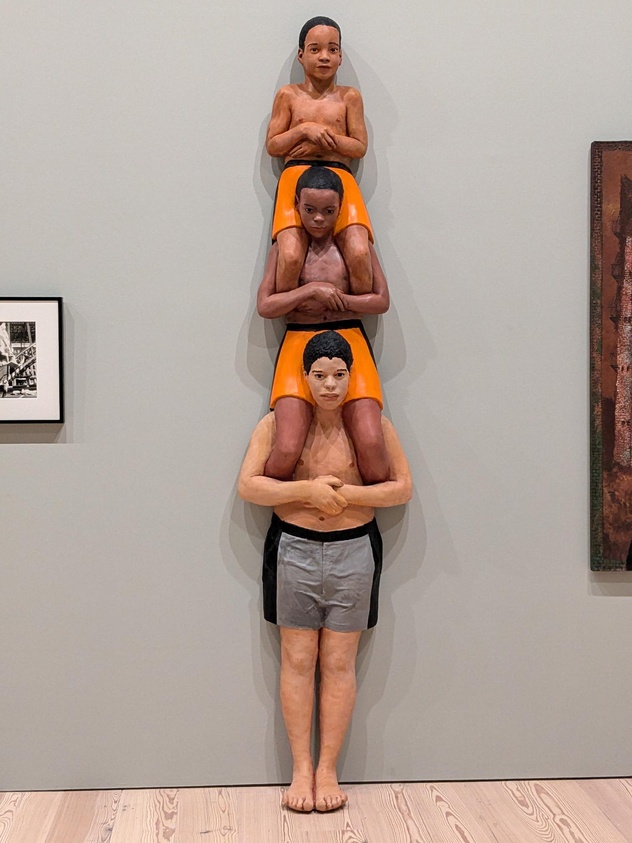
(321, 536)
(325, 326)
(315, 162)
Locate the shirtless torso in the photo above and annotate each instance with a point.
(323, 263)
(338, 112)
(328, 452)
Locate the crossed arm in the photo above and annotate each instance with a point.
(308, 139)
(327, 493)
(319, 295)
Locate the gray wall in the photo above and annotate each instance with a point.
(135, 184)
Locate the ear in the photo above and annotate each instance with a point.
(299, 55)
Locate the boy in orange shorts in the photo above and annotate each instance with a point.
(323, 300)
(319, 123)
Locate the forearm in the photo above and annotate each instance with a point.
(280, 304)
(350, 147)
(390, 493)
(366, 303)
(265, 491)
(280, 145)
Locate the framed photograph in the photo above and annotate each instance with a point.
(31, 372)
(611, 356)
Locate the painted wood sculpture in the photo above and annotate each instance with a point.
(324, 457)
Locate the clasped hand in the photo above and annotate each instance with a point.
(323, 495)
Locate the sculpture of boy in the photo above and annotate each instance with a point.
(322, 564)
(323, 298)
(319, 122)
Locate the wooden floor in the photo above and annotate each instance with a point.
(585, 811)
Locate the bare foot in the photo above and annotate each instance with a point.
(329, 795)
(300, 794)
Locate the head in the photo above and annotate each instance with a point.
(319, 195)
(327, 362)
(319, 48)
(320, 20)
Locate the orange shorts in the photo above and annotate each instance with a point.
(352, 211)
(289, 380)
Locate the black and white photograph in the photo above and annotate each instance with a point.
(30, 360)
(18, 360)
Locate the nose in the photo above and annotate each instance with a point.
(330, 383)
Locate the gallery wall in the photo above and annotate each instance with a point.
(135, 185)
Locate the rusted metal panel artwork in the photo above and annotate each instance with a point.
(611, 356)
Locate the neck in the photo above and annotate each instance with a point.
(319, 86)
(320, 243)
(328, 418)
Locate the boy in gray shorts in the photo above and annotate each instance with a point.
(321, 567)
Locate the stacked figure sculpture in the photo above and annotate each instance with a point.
(324, 457)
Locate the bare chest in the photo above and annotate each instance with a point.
(331, 112)
(329, 266)
(328, 452)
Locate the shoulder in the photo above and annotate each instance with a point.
(387, 426)
(390, 434)
(350, 95)
(265, 428)
(286, 93)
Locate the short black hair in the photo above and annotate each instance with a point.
(319, 178)
(328, 344)
(311, 23)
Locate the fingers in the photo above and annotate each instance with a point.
(330, 480)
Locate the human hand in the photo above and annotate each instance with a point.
(326, 294)
(331, 480)
(305, 149)
(319, 134)
(322, 495)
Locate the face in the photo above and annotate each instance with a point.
(328, 381)
(321, 56)
(318, 210)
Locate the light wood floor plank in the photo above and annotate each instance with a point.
(614, 800)
(260, 808)
(34, 817)
(146, 816)
(74, 820)
(579, 818)
(381, 812)
(597, 811)
(10, 806)
(206, 814)
(108, 802)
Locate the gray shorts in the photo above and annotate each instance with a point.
(314, 579)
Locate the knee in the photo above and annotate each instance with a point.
(291, 254)
(300, 662)
(289, 447)
(337, 665)
(363, 420)
(356, 244)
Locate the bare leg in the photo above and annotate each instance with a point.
(292, 243)
(337, 697)
(292, 417)
(363, 421)
(299, 651)
(353, 242)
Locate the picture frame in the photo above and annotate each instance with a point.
(611, 356)
(31, 360)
